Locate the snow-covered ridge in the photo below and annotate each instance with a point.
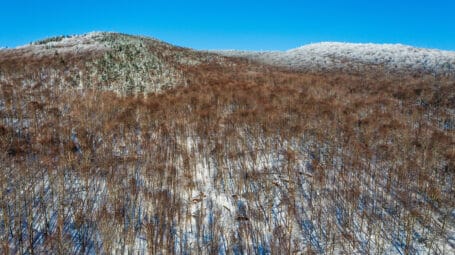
(122, 63)
(89, 42)
(324, 56)
(68, 41)
(96, 40)
(341, 56)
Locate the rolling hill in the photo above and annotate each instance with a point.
(357, 57)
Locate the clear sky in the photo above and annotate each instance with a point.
(254, 25)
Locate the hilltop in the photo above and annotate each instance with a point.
(357, 57)
(110, 61)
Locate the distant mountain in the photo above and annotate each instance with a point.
(354, 57)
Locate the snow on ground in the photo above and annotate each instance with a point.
(335, 55)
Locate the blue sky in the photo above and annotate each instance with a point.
(255, 25)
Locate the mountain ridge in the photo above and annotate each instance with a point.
(104, 59)
(349, 57)
(316, 57)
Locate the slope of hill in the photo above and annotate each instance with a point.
(118, 62)
(228, 156)
(357, 57)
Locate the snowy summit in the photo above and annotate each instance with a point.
(343, 56)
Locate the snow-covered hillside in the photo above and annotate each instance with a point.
(345, 56)
(111, 61)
